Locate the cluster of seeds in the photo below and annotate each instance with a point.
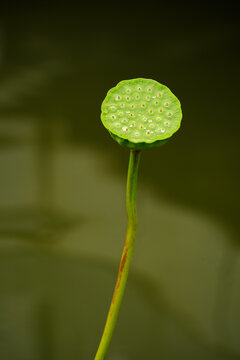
(141, 110)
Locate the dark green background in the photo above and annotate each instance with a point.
(62, 182)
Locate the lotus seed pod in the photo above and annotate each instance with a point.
(141, 113)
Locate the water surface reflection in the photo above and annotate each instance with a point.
(59, 261)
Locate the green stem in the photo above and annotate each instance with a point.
(126, 256)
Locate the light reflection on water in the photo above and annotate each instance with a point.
(58, 264)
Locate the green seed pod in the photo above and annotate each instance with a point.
(141, 113)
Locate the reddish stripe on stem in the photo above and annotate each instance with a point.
(121, 267)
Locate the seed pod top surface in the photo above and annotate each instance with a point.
(141, 113)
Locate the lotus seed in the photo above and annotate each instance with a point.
(155, 99)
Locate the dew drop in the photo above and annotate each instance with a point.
(113, 108)
(113, 117)
(117, 124)
(121, 105)
(128, 90)
(132, 106)
(149, 89)
(156, 102)
(159, 94)
(148, 98)
(148, 132)
(124, 128)
(166, 104)
(160, 110)
(169, 114)
(127, 98)
(137, 97)
(139, 89)
(149, 121)
(118, 97)
(166, 123)
(137, 133)
(143, 105)
(151, 111)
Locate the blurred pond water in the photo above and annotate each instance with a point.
(62, 195)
